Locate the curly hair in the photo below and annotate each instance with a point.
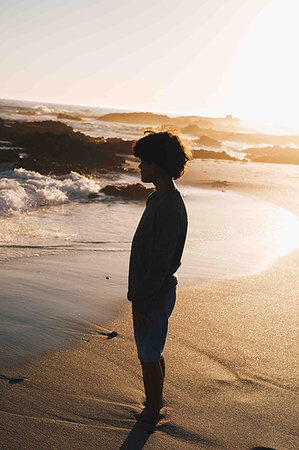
(165, 149)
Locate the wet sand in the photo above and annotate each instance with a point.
(230, 360)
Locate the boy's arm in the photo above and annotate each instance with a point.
(167, 230)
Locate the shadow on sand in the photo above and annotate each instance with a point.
(137, 437)
(141, 432)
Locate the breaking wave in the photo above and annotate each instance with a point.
(23, 190)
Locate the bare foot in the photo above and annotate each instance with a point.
(149, 416)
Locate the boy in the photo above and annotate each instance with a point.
(156, 253)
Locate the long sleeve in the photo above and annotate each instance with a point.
(167, 226)
(156, 250)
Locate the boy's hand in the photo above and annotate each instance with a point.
(141, 320)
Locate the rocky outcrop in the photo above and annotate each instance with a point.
(68, 116)
(54, 148)
(251, 138)
(275, 154)
(208, 142)
(143, 118)
(209, 154)
(193, 130)
(152, 119)
(12, 130)
(8, 156)
(127, 191)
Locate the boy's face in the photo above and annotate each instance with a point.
(149, 171)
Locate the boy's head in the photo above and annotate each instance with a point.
(164, 149)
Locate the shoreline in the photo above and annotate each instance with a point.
(46, 279)
(228, 383)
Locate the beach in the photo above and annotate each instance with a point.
(145, 144)
(230, 354)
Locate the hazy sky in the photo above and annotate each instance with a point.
(209, 57)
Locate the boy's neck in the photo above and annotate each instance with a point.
(164, 185)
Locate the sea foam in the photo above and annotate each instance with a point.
(23, 190)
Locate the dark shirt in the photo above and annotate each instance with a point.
(156, 250)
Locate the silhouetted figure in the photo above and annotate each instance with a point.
(156, 253)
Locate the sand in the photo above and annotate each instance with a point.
(230, 361)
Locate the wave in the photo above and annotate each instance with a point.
(23, 190)
(43, 109)
(87, 120)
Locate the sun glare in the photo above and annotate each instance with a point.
(265, 68)
(287, 237)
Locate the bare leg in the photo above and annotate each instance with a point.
(162, 364)
(153, 386)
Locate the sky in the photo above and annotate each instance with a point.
(205, 57)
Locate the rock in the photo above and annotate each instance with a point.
(207, 141)
(93, 195)
(8, 156)
(54, 148)
(131, 170)
(193, 130)
(275, 154)
(209, 154)
(119, 146)
(112, 334)
(128, 191)
(146, 118)
(68, 116)
(152, 119)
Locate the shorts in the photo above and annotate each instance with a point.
(150, 341)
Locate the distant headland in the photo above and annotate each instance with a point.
(53, 147)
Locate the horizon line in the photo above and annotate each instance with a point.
(164, 112)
